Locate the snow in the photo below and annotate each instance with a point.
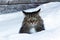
(10, 24)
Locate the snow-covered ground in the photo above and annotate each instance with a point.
(10, 24)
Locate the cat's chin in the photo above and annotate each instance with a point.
(32, 30)
(32, 25)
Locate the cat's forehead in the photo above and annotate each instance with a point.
(31, 15)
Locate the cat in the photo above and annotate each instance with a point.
(32, 22)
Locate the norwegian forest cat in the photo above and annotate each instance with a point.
(32, 22)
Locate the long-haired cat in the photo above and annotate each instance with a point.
(32, 22)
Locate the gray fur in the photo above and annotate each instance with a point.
(32, 23)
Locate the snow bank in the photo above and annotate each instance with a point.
(10, 24)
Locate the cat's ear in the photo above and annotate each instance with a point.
(39, 10)
(24, 12)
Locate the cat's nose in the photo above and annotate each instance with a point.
(32, 22)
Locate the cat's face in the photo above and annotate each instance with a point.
(32, 19)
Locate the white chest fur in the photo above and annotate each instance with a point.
(32, 30)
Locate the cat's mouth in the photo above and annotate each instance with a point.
(32, 24)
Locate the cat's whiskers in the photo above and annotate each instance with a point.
(32, 24)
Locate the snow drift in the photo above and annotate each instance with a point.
(10, 24)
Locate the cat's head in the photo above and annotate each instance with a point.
(32, 18)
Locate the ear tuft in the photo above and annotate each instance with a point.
(38, 10)
(24, 12)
